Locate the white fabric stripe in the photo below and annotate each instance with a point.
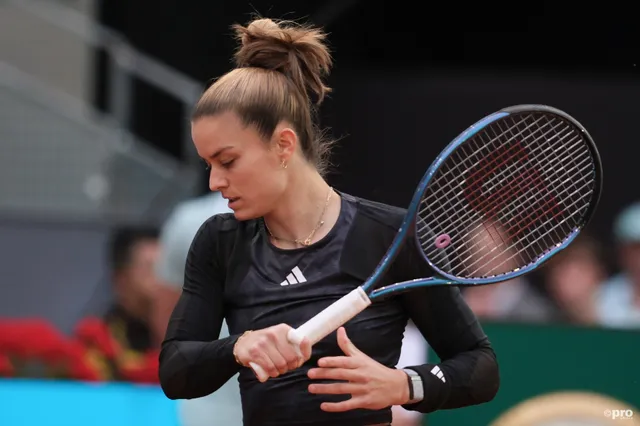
(298, 273)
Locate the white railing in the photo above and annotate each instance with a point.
(104, 171)
(127, 60)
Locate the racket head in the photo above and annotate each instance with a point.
(498, 201)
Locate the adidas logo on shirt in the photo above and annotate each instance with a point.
(438, 373)
(295, 277)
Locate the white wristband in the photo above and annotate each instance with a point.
(417, 387)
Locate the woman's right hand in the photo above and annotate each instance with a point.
(270, 349)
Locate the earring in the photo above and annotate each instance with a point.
(283, 164)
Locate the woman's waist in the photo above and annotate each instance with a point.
(286, 400)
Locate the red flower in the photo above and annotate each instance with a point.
(77, 363)
(93, 332)
(88, 355)
(30, 338)
(36, 340)
(144, 372)
(6, 368)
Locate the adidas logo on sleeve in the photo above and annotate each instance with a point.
(438, 373)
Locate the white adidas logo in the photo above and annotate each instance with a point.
(438, 373)
(295, 277)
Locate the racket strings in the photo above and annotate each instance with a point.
(557, 180)
(572, 151)
(496, 269)
(469, 214)
(508, 229)
(529, 242)
(538, 249)
(466, 159)
(540, 207)
(452, 208)
(531, 184)
(461, 164)
(469, 251)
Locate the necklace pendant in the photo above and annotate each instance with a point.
(307, 242)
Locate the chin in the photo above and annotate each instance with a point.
(244, 214)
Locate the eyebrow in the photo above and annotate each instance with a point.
(220, 151)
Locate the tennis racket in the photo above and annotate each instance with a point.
(506, 195)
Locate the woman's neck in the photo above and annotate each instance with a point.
(308, 209)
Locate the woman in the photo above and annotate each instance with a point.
(292, 246)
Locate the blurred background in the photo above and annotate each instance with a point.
(97, 169)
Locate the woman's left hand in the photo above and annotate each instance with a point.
(370, 384)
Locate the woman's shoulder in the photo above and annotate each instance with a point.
(223, 229)
(376, 213)
(221, 223)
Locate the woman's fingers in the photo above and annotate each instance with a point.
(339, 362)
(335, 388)
(291, 354)
(349, 404)
(348, 374)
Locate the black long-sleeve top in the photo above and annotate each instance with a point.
(233, 272)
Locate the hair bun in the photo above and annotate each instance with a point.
(294, 50)
(261, 27)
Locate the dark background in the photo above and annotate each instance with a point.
(410, 76)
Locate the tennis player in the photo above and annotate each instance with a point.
(291, 247)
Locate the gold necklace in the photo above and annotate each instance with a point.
(307, 241)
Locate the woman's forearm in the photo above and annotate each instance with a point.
(196, 369)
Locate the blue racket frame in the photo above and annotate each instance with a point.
(442, 278)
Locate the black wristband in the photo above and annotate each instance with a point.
(410, 383)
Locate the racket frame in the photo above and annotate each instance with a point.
(440, 277)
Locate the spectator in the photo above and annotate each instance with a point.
(618, 302)
(132, 256)
(572, 279)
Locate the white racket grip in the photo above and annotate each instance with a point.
(331, 318)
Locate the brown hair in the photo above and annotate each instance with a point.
(278, 76)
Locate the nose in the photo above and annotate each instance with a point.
(217, 180)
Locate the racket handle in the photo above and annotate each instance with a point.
(331, 318)
(323, 324)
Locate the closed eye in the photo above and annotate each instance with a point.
(227, 164)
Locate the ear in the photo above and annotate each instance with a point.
(286, 142)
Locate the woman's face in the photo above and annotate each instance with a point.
(243, 167)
